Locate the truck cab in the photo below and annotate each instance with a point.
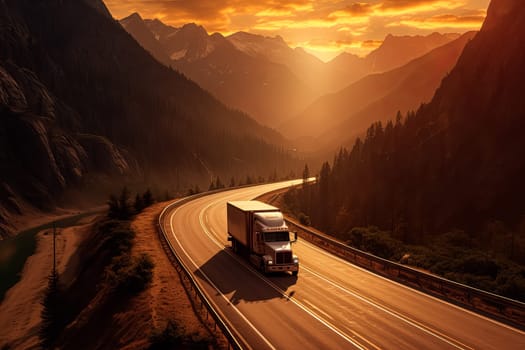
(258, 231)
(273, 242)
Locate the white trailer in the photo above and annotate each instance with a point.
(258, 232)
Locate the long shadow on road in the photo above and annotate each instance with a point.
(235, 280)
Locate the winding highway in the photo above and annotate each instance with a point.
(331, 304)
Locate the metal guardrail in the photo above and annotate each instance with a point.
(219, 321)
(486, 303)
(499, 307)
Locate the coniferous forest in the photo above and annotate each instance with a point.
(409, 204)
(441, 188)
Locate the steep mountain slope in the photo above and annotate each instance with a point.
(395, 51)
(243, 79)
(100, 7)
(415, 83)
(80, 98)
(305, 66)
(136, 27)
(266, 90)
(343, 70)
(189, 43)
(350, 111)
(275, 49)
(457, 163)
(478, 116)
(263, 75)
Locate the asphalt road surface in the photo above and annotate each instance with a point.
(331, 304)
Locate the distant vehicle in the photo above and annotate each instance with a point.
(258, 231)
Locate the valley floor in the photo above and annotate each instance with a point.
(21, 308)
(165, 300)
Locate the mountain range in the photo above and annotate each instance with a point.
(336, 119)
(456, 165)
(263, 75)
(85, 107)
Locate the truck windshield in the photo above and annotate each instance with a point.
(276, 236)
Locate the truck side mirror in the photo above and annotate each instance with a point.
(295, 237)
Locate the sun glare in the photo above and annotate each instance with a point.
(342, 26)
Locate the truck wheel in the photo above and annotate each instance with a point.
(234, 246)
(294, 273)
(263, 268)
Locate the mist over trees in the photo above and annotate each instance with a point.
(402, 181)
(449, 175)
(85, 103)
(398, 195)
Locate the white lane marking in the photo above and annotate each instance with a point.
(403, 286)
(324, 252)
(447, 339)
(280, 291)
(403, 318)
(318, 309)
(270, 345)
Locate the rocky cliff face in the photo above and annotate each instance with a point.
(39, 159)
(82, 104)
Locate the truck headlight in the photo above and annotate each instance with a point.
(270, 262)
(296, 261)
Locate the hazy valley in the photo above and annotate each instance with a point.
(269, 80)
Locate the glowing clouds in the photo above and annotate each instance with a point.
(395, 8)
(441, 22)
(324, 27)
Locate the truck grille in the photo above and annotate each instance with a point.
(283, 258)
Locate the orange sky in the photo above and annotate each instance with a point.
(323, 27)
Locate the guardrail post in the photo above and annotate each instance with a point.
(452, 291)
(191, 284)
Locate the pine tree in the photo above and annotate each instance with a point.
(51, 314)
(139, 203)
(113, 204)
(147, 198)
(306, 174)
(124, 204)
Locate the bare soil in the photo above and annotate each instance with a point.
(166, 299)
(129, 324)
(21, 308)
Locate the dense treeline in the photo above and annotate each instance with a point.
(400, 202)
(448, 176)
(402, 180)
